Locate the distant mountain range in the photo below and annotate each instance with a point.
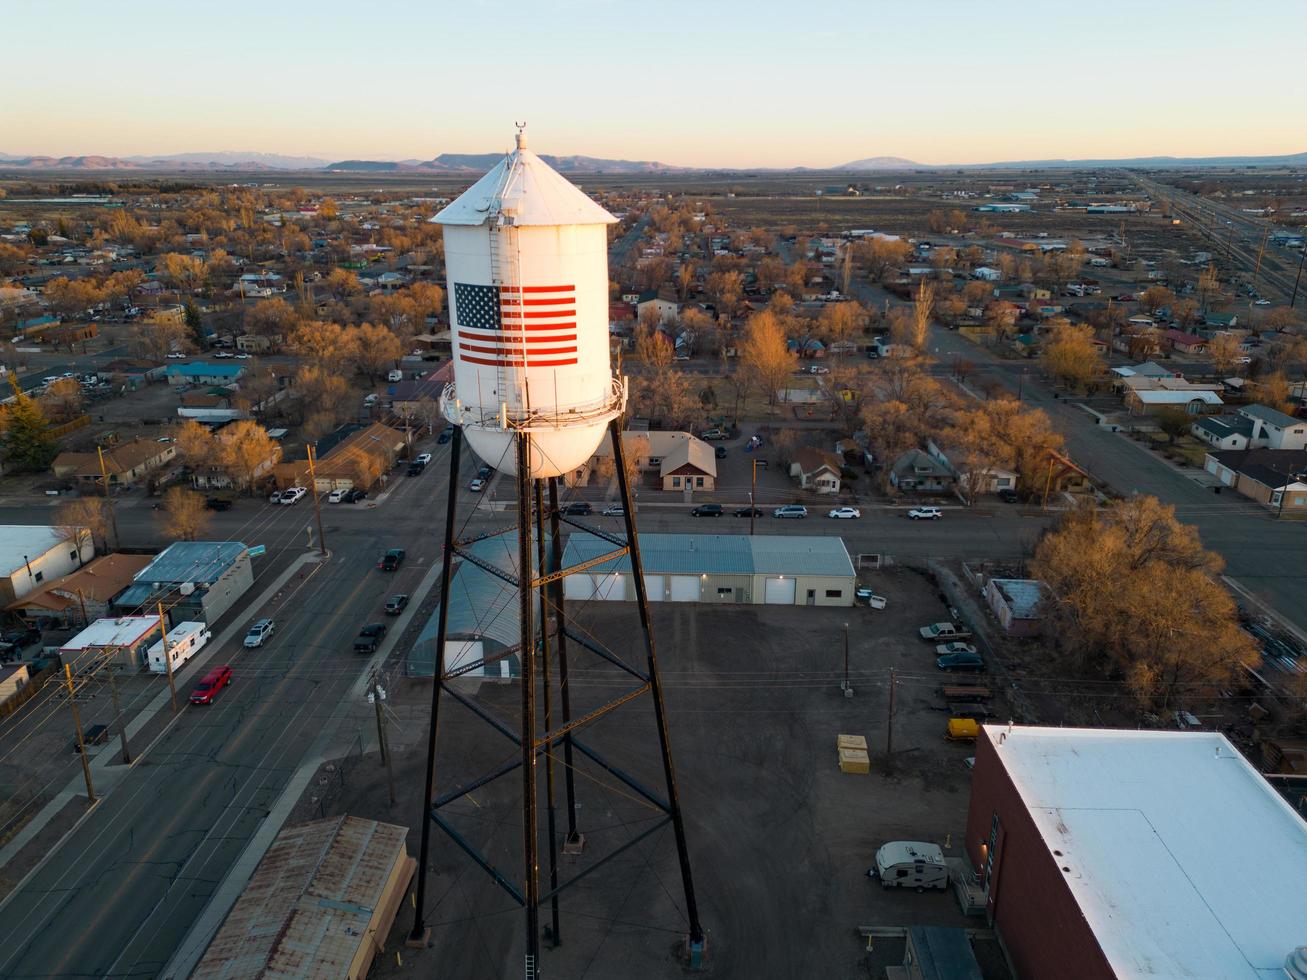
(898, 163)
(471, 164)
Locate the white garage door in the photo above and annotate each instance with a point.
(685, 588)
(610, 587)
(653, 587)
(579, 587)
(779, 592)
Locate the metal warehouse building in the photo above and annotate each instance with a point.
(787, 570)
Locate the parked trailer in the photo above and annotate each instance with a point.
(185, 640)
(964, 692)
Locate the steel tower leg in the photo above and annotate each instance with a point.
(420, 934)
(530, 857)
(655, 686)
(564, 692)
(554, 931)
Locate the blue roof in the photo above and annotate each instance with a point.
(1023, 595)
(720, 554)
(201, 562)
(204, 369)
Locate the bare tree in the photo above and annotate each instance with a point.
(184, 514)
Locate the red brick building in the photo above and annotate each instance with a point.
(1135, 854)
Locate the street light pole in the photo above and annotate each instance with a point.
(317, 504)
(753, 487)
(1302, 254)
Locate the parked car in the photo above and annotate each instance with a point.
(395, 374)
(395, 604)
(614, 510)
(1008, 495)
(416, 469)
(217, 503)
(355, 495)
(578, 508)
(790, 510)
(94, 735)
(818, 369)
(956, 646)
(21, 637)
(961, 661)
(713, 434)
(485, 471)
(719, 452)
(844, 513)
(213, 682)
(369, 637)
(293, 495)
(444, 437)
(477, 485)
(423, 458)
(258, 633)
(274, 497)
(925, 514)
(391, 560)
(944, 631)
(748, 511)
(336, 496)
(707, 510)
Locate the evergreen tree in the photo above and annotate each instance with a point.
(193, 324)
(27, 443)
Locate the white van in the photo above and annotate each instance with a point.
(185, 640)
(910, 864)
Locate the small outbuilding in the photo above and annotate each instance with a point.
(1015, 601)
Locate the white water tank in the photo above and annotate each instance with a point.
(526, 254)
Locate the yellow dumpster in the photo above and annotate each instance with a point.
(963, 729)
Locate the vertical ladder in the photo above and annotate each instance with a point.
(530, 967)
(503, 384)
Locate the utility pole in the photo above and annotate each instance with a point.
(81, 601)
(889, 725)
(1302, 254)
(167, 657)
(317, 504)
(846, 687)
(753, 487)
(81, 740)
(381, 738)
(104, 483)
(118, 716)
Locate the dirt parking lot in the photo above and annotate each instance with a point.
(780, 839)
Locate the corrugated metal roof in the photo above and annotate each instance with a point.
(1023, 595)
(720, 554)
(308, 907)
(532, 192)
(202, 562)
(482, 606)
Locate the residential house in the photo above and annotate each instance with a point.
(1254, 427)
(990, 479)
(1222, 320)
(690, 464)
(255, 343)
(32, 554)
(816, 469)
(667, 309)
(82, 595)
(352, 456)
(675, 456)
(1275, 478)
(1015, 601)
(13, 678)
(1274, 429)
(419, 400)
(918, 471)
(1148, 369)
(1192, 401)
(132, 372)
(1183, 343)
(212, 476)
(204, 373)
(125, 463)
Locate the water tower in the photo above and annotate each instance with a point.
(526, 254)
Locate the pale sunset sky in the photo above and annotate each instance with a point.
(722, 84)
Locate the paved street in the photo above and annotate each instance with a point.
(117, 898)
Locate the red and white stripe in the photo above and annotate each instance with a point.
(538, 330)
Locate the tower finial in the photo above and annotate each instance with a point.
(521, 134)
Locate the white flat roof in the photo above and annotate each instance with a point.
(1183, 859)
(20, 542)
(125, 631)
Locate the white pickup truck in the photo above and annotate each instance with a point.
(940, 632)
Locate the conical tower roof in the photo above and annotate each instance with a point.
(525, 188)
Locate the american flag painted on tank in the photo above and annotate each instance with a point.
(516, 326)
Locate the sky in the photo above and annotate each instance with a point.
(712, 83)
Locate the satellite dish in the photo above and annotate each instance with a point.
(186, 588)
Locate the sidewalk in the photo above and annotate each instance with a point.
(106, 771)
